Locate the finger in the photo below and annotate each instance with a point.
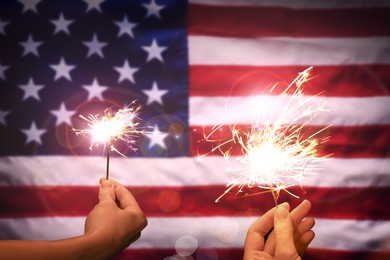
(304, 226)
(261, 255)
(306, 235)
(304, 241)
(297, 215)
(269, 218)
(106, 191)
(300, 212)
(114, 182)
(125, 198)
(254, 240)
(284, 235)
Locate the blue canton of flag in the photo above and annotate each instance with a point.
(63, 58)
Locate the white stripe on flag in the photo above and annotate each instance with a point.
(86, 171)
(212, 232)
(242, 110)
(351, 234)
(280, 51)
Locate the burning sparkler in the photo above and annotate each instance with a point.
(106, 129)
(275, 154)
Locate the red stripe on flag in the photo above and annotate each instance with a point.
(368, 141)
(333, 203)
(237, 253)
(324, 254)
(201, 253)
(260, 21)
(339, 81)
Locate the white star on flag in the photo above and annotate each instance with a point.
(156, 137)
(30, 46)
(31, 90)
(154, 51)
(2, 25)
(93, 4)
(2, 70)
(63, 115)
(33, 134)
(125, 27)
(61, 24)
(95, 90)
(3, 114)
(62, 69)
(29, 5)
(126, 72)
(95, 47)
(153, 9)
(155, 94)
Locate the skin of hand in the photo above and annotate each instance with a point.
(116, 221)
(289, 239)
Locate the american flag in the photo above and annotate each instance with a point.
(182, 61)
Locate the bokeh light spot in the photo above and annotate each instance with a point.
(226, 231)
(169, 200)
(46, 178)
(186, 245)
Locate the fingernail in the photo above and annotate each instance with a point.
(106, 184)
(281, 213)
(284, 205)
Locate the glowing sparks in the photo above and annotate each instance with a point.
(107, 128)
(275, 153)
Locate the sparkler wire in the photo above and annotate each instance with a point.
(108, 161)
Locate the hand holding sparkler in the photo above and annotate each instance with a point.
(290, 238)
(114, 223)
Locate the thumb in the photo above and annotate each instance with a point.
(284, 235)
(106, 191)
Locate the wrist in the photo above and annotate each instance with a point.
(96, 246)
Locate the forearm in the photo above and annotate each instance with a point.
(83, 247)
(114, 223)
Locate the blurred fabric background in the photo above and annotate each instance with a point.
(191, 65)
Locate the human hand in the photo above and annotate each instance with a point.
(116, 221)
(303, 234)
(290, 238)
